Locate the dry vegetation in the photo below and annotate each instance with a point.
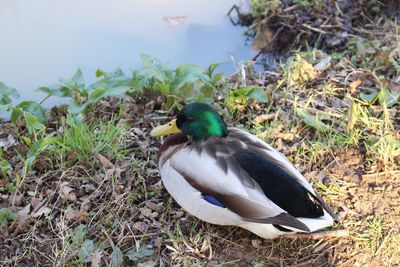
(94, 196)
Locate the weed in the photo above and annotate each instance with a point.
(6, 215)
(81, 143)
(372, 236)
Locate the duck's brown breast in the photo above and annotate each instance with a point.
(171, 141)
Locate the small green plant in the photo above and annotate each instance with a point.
(6, 215)
(82, 95)
(5, 166)
(372, 236)
(382, 96)
(187, 83)
(81, 143)
(384, 151)
(6, 92)
(260, 8)
(241, 95)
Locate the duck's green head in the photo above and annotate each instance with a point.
(200, 121)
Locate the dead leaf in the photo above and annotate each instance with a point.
(36, 201)
(65, 192)
(4, 181)
(159, 242)
(141, 226)
(178, 214)
(23, 219)
(7, 142)
(256, 243)
(71, 155)
(146, 212)
(323, 64)
(96, 258)
(354, 85)
(41, 164)
(321, 175)
(15, 199)
(76, 215)
(105, 163)
(265, 117)
(42, 211)
(153, 206)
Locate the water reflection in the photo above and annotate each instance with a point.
(43, 40)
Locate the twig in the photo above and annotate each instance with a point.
(314, 29)
(160, 118)
(329, 234)
(108, 238)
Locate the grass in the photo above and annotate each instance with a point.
(82, 143)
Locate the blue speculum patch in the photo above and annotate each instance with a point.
(213, 200)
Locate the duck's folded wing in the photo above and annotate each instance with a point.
(253, 143)
(242, 196)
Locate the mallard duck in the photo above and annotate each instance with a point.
(227, 176)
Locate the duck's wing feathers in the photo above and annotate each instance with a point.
(212, 168)
(282, 169)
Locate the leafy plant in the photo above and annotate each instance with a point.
(5, 166)
(6, 215)
(6, 92)
(143, 251)
(86, 250)
(31, 107)
(382, 96)
(241, 95)
(313, 121)
(117, 258)
(34, 151)
(187, 83)
(82, 95)
(260, 8)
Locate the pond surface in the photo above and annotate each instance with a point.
(43, 40)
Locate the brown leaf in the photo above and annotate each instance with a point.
(71, 155)
(354, 85)
(36, 201)
(4, 181)
(42, 211)
(265, 117)
(141, 226)
(75, 215)
(153, 206)
(65, 192)
(146, 212)
(41, 163)
(256, 243)
(178, 214)
(159, 242)
(15, 199)
(96, 258)
(23, 219)
(105, 163)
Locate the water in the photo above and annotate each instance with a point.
(43, 40)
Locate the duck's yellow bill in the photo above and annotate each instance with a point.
(165, 129)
